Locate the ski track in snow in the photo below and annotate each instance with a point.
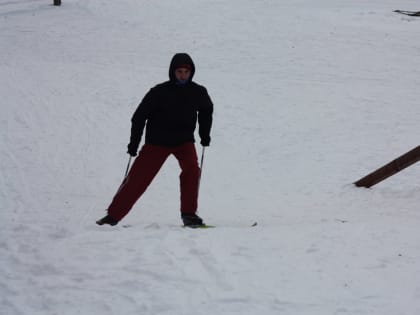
(308, 98)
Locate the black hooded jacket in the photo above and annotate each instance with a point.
(170, 111)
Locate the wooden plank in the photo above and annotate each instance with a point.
(390, 169)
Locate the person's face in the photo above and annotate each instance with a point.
(182, 74)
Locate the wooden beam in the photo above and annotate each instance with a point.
(390, 169)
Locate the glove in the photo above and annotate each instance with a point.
(132, 150)
(205, 142)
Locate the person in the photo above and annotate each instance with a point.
(169, 112)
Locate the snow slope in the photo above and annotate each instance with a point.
(309, 96)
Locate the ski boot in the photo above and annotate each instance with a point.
(107, 220)
(192, 220)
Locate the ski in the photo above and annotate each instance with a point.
(410, 13)
(201, 226)
(204, 226)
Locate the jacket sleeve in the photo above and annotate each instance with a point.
(138, 121)
(205, 117)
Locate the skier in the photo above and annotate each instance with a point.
(170, 112)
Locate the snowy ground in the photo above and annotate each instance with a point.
(309, 97)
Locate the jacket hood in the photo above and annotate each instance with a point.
(180, 59)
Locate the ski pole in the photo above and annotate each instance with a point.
(201, 169)
(128, 166)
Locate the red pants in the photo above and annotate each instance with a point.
(145, 168)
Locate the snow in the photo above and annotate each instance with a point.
(309, 97)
